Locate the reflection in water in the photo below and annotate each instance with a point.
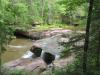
(16, 49)
(12, 46)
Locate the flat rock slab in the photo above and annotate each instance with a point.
(36, 35)
(54, 32)
(36, 64)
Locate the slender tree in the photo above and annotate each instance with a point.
(42, 9)
(87, 36)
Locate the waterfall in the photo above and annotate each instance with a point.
(28, 54)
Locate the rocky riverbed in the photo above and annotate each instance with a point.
(48, 41)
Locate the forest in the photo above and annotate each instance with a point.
(50, 37)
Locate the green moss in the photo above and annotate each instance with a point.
(63, 26)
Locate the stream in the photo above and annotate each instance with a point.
(15, 49)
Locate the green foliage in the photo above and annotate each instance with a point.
(63, 26)
(6, 71)
(72, 4)
(74, 68)
(76, 11)
(11, 17)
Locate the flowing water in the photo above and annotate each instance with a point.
(16, 48)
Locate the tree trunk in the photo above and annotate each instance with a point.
(42, 10)
(87, 36)
(49, 21)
